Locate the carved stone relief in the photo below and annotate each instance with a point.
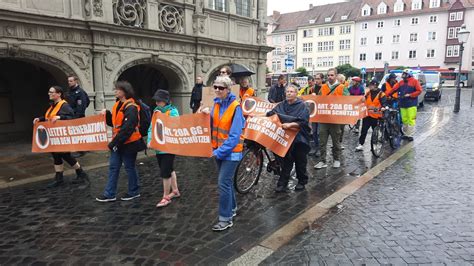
(97, 8)
(50, 34)
(130, 12)
(10, 31)
(199, 24)
(205, 65)
(188, 65)
(79, 57)
(171, 19)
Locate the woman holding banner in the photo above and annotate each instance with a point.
(227, 123)
(126, 142)
(165, 160)
(60, 110)
(293, 114)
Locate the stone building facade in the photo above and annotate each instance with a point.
(151, 43)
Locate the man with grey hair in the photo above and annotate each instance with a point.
(245, 89)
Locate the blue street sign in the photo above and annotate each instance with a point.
(363, 70)
(289, 63)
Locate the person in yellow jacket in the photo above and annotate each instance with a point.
(61, 110)
(308, 89)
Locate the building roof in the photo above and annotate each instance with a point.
(288, 21)
(336, 13)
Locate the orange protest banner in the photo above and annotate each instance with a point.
(254, 106)
(267, 131)
(187, 135)
(208, 95)
(344, 110)
(83, 134)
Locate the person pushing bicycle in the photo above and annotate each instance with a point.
(375, 100)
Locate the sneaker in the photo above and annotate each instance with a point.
(221, 226)
(360, 147)
(299, 187)
(342, 148)
(336, 164)
(105, 199)
(127, 196)
(321, 165)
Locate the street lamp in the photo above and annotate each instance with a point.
(463, 36)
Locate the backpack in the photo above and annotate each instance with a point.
(145, 118)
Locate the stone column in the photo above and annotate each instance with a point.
(97, 66)
(261, 76)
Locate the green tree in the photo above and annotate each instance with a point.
(348, 70)
(302, 71)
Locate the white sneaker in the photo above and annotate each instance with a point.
(336, 164)
(360, 148)
(321, 165)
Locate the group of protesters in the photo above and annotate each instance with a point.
(227, 124)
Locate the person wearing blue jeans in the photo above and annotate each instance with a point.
(126, 143)
(227, 122)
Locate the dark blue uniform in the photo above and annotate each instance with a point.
(78, 100)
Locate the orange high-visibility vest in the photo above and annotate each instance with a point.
(118, 116)
(221, 127)
(248, 92)
(338, 91)
(373, 103)
(388, 89)
(54, 109)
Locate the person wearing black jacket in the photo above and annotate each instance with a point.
(60, 110)
(77, 97)
(126, 142)
(277, 91)
(196, 95)
(294, 114)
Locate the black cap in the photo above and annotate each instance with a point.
(374, 82)
(162, 96)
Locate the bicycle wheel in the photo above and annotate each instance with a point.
(395, 132)
(248, 171)
(377, 141)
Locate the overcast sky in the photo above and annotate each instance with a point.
(286, 6)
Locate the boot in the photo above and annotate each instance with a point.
(58, 180)
(81, 177)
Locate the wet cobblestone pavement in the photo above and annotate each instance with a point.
(419, 211)
(66, 226)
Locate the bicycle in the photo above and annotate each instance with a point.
(387, 128)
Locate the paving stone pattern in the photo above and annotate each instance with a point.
(419, 211)
(66, 226)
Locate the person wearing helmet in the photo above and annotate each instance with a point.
(356, 89)
(408, 90)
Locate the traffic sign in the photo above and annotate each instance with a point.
(363, 70)
(289, 63)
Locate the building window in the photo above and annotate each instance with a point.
(379, 40)
(382, 9)
(363, 41)
(394, 55)
(413, 37)
(362, 57)
(397, 22)
(344, 60)
(430, 53)
(459, 15)
(433, 19)
(452, 51)
(364, 26)
(432, 36)
(412, 54)
(326, 46)
(434, 3)
(452, 16)
(243, 7)
(345, 29)
(416, 5)
(307, 33)
(219, 5)
(453, 32)
(414, 21)
(276, 39)
(366, 12)
(325, 61)
(308, 62)
(326, 31)
(344, 44)
(396, 38)
(276, 65)
(380, 24)
(399, 7)
(289, 38)
(378, 56)
(289, 49)
(307, 47)
(277, 51)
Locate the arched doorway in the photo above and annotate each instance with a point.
(148, 77)
(24, 85)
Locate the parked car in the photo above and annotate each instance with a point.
(417, 75)
(433, 85)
